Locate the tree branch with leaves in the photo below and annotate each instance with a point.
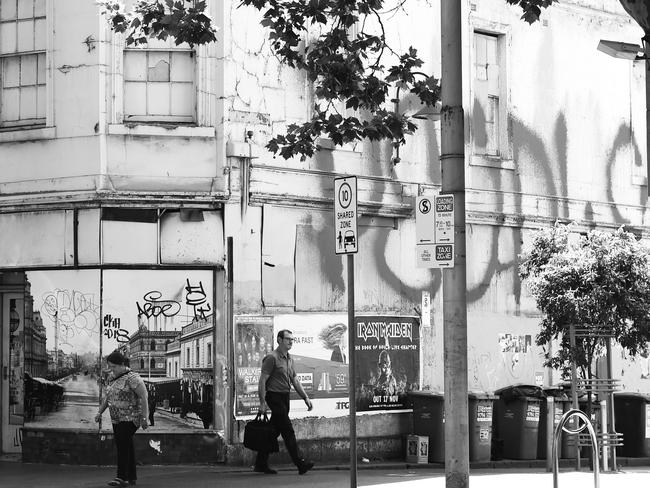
(350, 62)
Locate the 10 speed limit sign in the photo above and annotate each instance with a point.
(345, 215)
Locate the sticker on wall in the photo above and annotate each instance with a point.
(484, 413)
(426, 309)
(155, 445)
(532, 412)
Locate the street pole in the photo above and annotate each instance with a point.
(646, 50)
(351, 375)
(454, 291)
(56, 344)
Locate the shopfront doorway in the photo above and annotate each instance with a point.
(12, 364)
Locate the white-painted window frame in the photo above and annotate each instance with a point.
(170, 51)
(502, 156)
(207, 83)
(43, 127)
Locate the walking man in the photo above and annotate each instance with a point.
(278, 374)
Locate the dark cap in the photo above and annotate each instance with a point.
(116, 357)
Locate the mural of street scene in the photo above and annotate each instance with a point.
(162, 321)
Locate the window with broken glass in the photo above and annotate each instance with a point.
(159, 83)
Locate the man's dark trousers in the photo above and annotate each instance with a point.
(279, 405)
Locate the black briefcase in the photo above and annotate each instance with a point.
(260, 435)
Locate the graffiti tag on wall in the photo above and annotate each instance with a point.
(72, 312)
(153, 306)
(112, 329)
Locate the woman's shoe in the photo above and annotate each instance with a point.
(118, 482)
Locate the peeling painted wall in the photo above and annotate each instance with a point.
(576, 136)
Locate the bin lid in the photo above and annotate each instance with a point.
(481, 395)
(426, 393)
(632, 395)
(514, 392)
(556, 392)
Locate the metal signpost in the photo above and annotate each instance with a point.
(347, 242)
(434, 230)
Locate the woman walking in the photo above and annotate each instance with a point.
(126, 399)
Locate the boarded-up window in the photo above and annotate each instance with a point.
(278, 255)
(319, 271)
(487, 95)
(384, 270)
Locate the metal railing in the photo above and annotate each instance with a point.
(594, 447)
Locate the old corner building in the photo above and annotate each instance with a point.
(139, 210)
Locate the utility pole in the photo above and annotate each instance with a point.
(454, 291)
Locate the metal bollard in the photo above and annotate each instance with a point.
(594, 443)
(603, 429)
(550, 429)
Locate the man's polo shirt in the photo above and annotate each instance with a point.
(280, 370)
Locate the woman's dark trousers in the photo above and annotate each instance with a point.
(123, 433)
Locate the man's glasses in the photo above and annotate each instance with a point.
(290, 339)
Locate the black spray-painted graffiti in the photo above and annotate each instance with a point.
(72, 313)
(154, 307)
(112, 329)
(195, 297)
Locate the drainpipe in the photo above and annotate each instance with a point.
(103, 185)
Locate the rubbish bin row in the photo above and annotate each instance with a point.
(511, 423)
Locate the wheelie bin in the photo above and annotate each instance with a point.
(481, 408)
(516, 421)
(429, 420)
(632, 419)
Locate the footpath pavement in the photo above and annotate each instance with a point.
(378, 475)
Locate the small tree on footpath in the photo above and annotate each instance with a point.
(600, 280)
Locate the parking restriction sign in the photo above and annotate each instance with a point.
(434, 231)
(345, 215)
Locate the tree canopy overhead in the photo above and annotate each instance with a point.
(349, 61)
(598, 280)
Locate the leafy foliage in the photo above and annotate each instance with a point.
(183, 20)
(349, 62)
(601, 280)
(532, 8)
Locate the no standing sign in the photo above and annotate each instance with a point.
(345, 215)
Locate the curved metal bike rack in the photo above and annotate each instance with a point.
(594, 442)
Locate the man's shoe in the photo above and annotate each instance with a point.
(305, 466)
(266, 470)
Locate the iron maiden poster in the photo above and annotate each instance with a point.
(387, 355)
